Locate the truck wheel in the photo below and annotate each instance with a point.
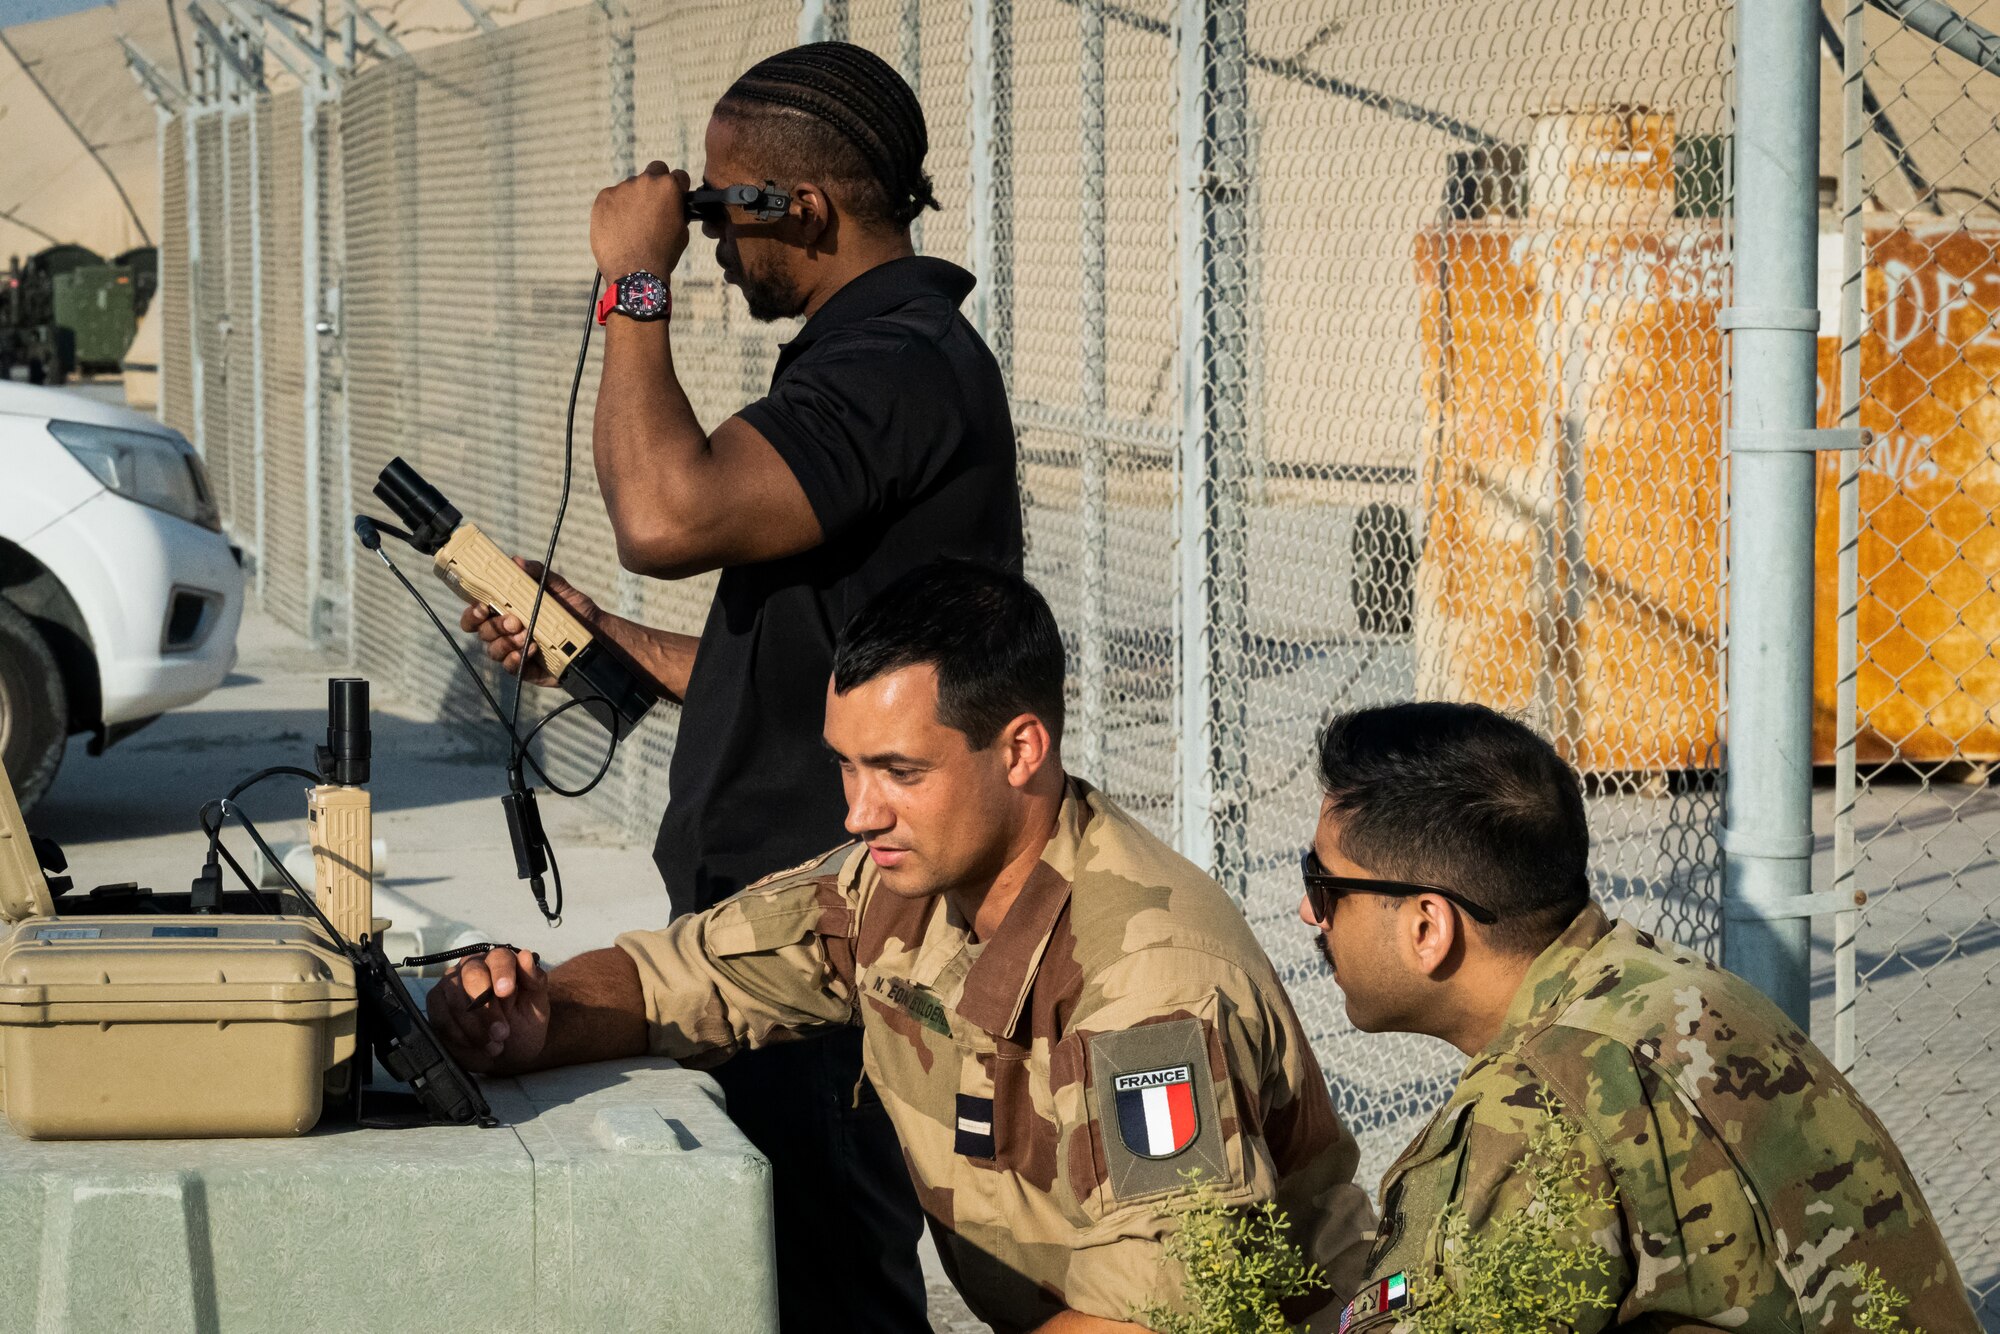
(34, 708)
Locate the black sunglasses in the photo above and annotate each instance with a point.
(1323, 887)
(712, 203)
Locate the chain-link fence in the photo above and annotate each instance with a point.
(1355, 354)
(1322, 357)
(1910, 548)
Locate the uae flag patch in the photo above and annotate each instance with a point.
(1390, 1294)
(1156, 1113)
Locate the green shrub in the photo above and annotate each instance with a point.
(1877, 1304)
(1534, 1271)
(1239, 1265)
(1529, 1271)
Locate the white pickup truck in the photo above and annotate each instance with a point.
(119, 595)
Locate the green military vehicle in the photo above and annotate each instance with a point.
(68, 311)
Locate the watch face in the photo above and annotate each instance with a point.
(641, 294)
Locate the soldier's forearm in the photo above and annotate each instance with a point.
(664, 655)
(597, 1011)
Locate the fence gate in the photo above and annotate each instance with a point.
(1908, 682)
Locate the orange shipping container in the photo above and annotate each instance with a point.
(1929, 555)
(1572, 486)
(1573, 479)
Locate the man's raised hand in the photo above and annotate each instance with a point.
(641, 223)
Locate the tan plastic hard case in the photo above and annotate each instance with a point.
(160, 1026)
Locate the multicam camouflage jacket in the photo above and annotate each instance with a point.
(1750, 1183)
(1052, 1083)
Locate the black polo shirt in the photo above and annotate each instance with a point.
(891, 413)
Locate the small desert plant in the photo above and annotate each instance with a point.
(1878, 1305)
(1532, 1270)
(1535, 1271)
(1239, 1265)
(1528, 1270)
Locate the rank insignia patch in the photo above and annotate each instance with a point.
(1156, 1113)
(975, 1127)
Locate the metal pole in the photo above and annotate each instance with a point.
(241, 518)
(480, 18)
(162, 118)
(309, 285)
(1093, 502)
(1948, 28)
(1212, 129)
(628, 592)
(1854, 122)
(911, 62)
(992, 97)
(230, 79)
(357, 9)
(258, 488)
(822, 21)
(166, 94)
(191, 147)
(1767, 830)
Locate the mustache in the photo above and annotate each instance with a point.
(1325, 953)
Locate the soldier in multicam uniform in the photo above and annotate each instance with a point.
(1062, 1016)
(1749, 1189)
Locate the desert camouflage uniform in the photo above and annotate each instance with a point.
(997, 1059)
(1748, 1177)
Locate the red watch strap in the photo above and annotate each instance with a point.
(607, 300)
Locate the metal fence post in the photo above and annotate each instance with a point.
(1846, 925)
(1093, 500)
(1212, 129)
(191, 146)
(257, 466)
(1767, 833)
(241, 521)
(628, 591)
(309, 288)
(910, 61)
(822, 21)
(991, 79)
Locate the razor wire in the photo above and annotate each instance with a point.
(1908, 686)
(1352, 358)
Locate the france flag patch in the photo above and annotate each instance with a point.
(1156, 1110)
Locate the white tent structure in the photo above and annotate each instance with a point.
(79, 159)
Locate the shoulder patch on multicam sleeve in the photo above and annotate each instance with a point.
(1156, 1107)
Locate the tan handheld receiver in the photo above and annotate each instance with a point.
(339, 815)
(475, 567)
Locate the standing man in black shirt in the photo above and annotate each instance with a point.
(884, 442)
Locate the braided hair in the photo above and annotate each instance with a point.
(838, 112)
